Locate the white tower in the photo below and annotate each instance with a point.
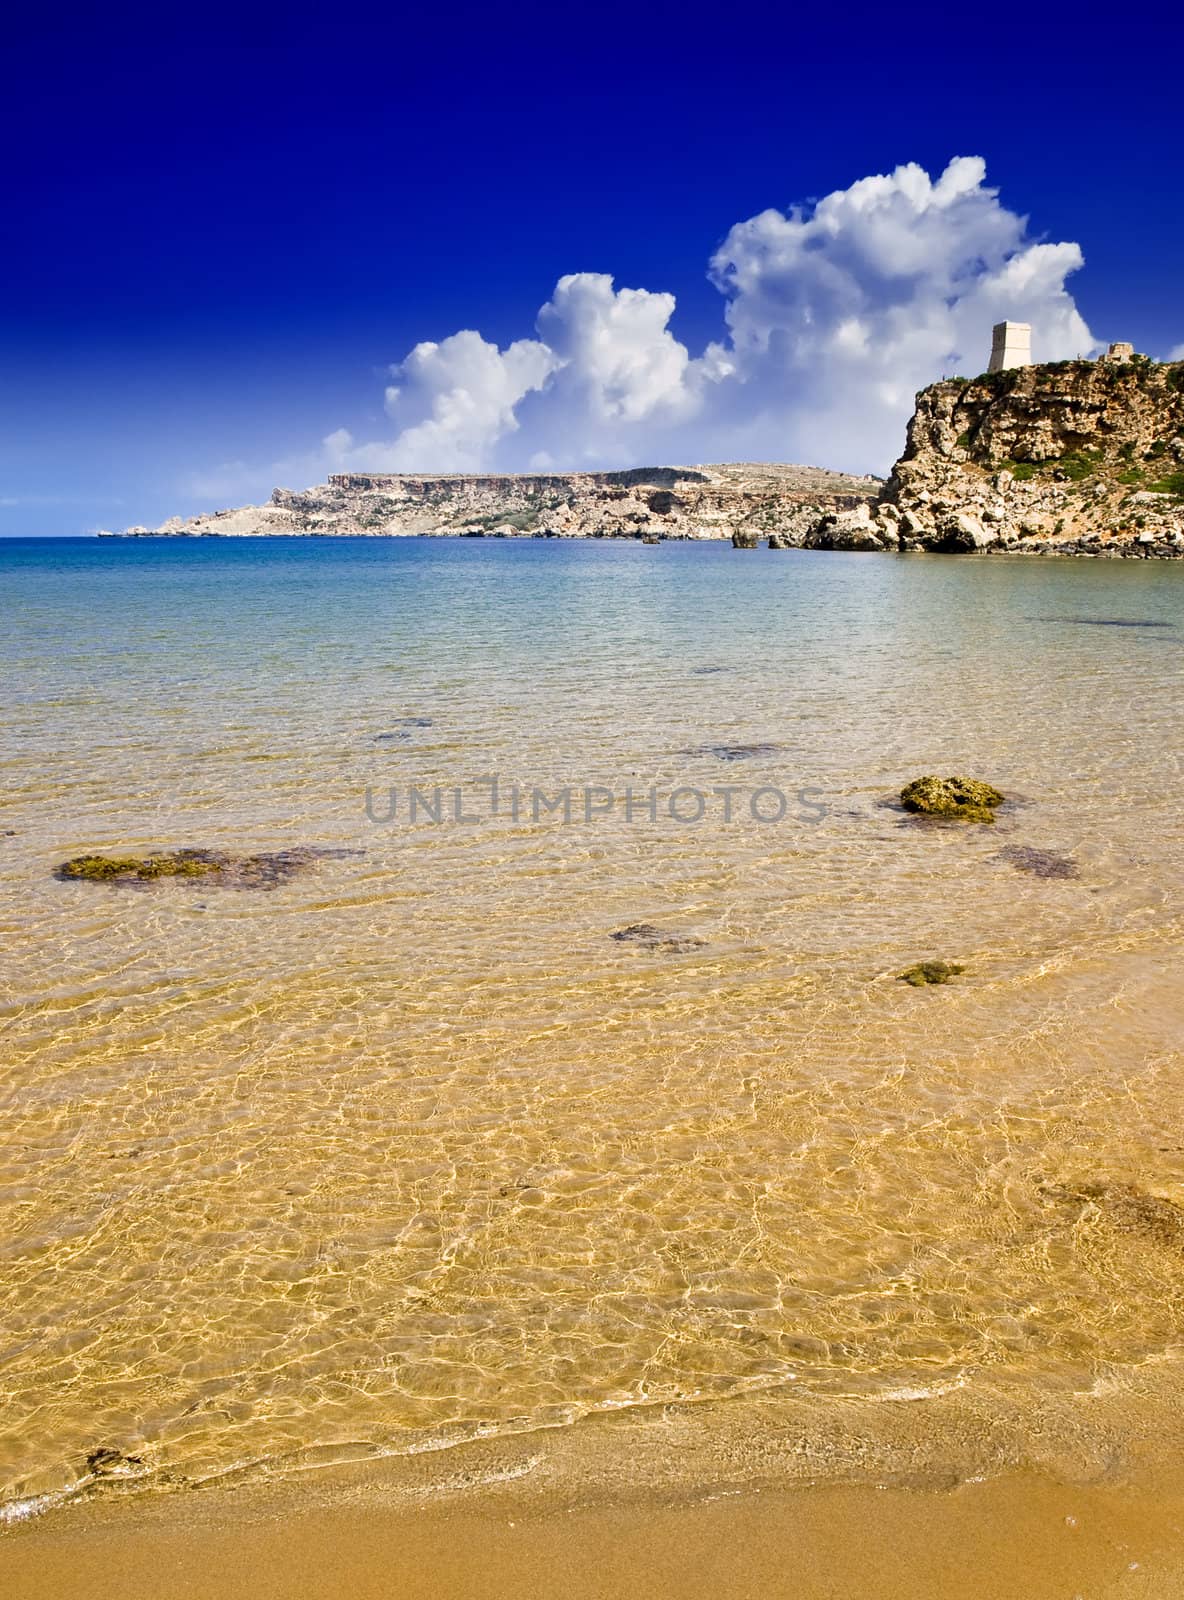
(1011, 346)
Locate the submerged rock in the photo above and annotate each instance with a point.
(104, 1461)
(265, 870)
(926, 972)
(651, 938)
(403, 727)
(1041, 863)
(734, 752)
(964, 798)
(1111, 622)
(1128, 1209)
(113, 869)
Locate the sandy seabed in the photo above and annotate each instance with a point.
(402, 1231)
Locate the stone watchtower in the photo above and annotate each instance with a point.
(1011, 346)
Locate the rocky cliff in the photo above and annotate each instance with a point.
(1076, 457)
(712, 502)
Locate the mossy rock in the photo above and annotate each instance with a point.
(99, 869)
(109, 869)
(926, 972)
(964, 798)
(265, 870)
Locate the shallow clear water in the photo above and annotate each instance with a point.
(411, 1148)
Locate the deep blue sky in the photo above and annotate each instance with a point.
(219, 231)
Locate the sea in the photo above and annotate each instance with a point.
(563, 1065)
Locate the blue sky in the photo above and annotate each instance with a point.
(222, 234)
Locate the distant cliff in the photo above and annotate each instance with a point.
(1076, 457)
(711, 502)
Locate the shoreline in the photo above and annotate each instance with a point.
(500, 1525)
(764, 1494)
(1116, 552)
(1075, 456)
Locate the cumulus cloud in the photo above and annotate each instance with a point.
(1177, 353)
(453, 402)
(835, 314)
(621, 379)
(838, 313)
(605, 374)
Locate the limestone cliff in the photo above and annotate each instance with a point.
(1076, 457)
(708, 502)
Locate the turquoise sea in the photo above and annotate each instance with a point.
(408, 1148)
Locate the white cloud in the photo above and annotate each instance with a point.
(1176, 353)
(617, 360)
(453, 401)
(836, 314)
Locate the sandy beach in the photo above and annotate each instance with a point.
(1023, 1536)
(674, 1503)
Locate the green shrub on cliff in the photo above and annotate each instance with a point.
(1079, 464)
(1001, 382)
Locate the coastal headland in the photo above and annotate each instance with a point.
(704, 502)
(1073, 457)
(1069, 458)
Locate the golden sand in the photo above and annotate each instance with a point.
(1022, 1536)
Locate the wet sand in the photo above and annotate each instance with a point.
(1022, 1537)
(673, 1503)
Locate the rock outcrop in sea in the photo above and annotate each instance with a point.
(967, 799)
(930, 972)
